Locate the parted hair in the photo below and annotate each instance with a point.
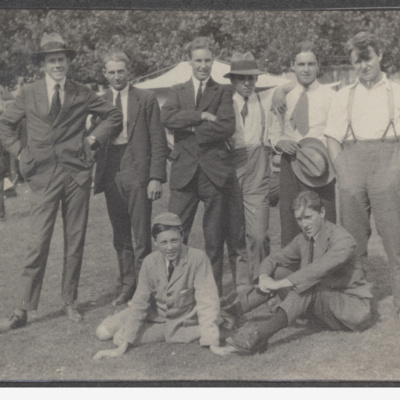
(200, 42)
(158, 228)
(361, 42)
(304, 47)
(307, 199)
(117, 56)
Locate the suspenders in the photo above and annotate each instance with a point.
(391, 114)
(262, 120)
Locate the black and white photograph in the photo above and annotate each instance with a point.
(199, 196)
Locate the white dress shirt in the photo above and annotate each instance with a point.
(319, 102)
(50, 83)
(122, 138)
(196, 84)
(370, 111)
(250, 133)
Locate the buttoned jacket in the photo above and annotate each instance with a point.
(188, 304)
(60, 141)
(198, 142)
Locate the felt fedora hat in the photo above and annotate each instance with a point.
(311, 164)
(243, 64)
(52, 43)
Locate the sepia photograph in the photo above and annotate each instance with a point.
(199, 195)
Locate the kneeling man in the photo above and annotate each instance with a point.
(176, 300)
(317, 272)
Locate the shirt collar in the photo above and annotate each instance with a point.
(196, 82)
(240, 99)
(50, 82)
(383, 81)
(123, 91)
(310, 88)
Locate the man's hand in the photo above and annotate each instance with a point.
(154, 190)
(287, 146)
(206, 116)
(110, 353)
(267, 284)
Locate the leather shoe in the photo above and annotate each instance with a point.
(72, 313)
(13, 322)
(248, 345)
(121, 299)
(228, 321)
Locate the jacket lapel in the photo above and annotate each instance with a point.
(70, 94)
(208, 95)
(322, 241)
(188, 95)
(180, 268)
(133, 110)
(41, 100)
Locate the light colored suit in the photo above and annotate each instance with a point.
(333, 284)
(179, 311)
(57, 165)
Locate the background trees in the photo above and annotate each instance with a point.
(156, 39)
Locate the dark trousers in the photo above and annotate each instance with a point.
(128, 207)
(2, 206)
(74, 200)
(290, 187)
(119, 218)
(184, 203)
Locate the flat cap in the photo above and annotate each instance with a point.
(167, 218)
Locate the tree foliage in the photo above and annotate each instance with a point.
(154, 40)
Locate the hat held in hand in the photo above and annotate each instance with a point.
(311, 164)
(52, 43)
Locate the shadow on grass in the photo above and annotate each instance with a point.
(85, 307)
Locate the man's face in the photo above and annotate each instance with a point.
(305, 67)
(170, 244)
(116, 74)
(367, 64)
(56, 65)
(310, 221)
(201, 62)
(244, 84)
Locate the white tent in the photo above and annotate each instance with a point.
(183, 71)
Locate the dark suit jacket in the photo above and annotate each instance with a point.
(146, 153)
(63, 140)
(335, 266)
(206, 145)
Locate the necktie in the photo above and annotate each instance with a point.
(311, 251)
(170, 270)
(299, 118)
(199, 94)
(118, 102)
(245, 109)
(55, 107)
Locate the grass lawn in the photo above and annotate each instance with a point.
(50, 348)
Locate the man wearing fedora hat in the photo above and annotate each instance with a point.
(301, 131)
(176, 300)
(57, 165)
(199, 113)
(250, 155)
(318, 274)
(364, 145)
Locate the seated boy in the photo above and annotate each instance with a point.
(318, 273)
(176, 300)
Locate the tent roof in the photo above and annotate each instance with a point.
(183, 71)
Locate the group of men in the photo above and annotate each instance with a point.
(223, 142)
